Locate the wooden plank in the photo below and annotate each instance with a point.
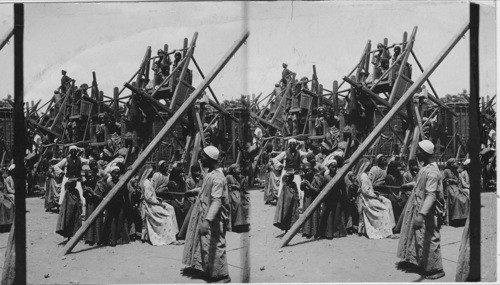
(373, 135)
(154, 143)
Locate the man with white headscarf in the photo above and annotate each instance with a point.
(72, 166)
(292, 158)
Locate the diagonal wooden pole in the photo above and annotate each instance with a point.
(155, 143)
(373, 136)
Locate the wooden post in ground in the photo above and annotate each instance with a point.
(373, 135)
(18, 150)
(474, 148)
(154, 143)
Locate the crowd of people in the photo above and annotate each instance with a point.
(161, 207)
(379, 198)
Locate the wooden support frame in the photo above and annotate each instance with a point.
(154, 143)
(373, 135)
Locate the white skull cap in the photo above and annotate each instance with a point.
(292, 141)
(73, 147)
(427, 146)
(212, 152)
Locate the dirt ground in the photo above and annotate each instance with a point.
(349, 259)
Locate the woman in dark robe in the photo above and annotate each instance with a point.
(115, 219)
(393, 181)
(333, 224)
(70, 214)
(239, 200)
(176, 189)
(93, 196)
(312, 183)
(287, 207)
(458, 200)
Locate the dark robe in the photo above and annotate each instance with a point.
(190, 199)
(287, 207)
(181, 206)
(115, 219)
(457, 199)
(398, 202)
(352, 213)
(239, 202)
(93, 196)
(333, 218)
(70, 214)
(311, 226)
(52, 191)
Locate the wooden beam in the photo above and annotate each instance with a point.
(402, 66)
(153, 101)
(373, 135)
(184, 70)
(437, 101)
(203, 77)
(154, 143)
(267, 123)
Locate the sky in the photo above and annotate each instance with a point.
(111, 39)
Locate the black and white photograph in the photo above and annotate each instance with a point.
(248, 142)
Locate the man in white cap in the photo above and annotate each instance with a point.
(464, 176)
(205, 247)
(420, 239)
(292, 158)
(72, 168)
